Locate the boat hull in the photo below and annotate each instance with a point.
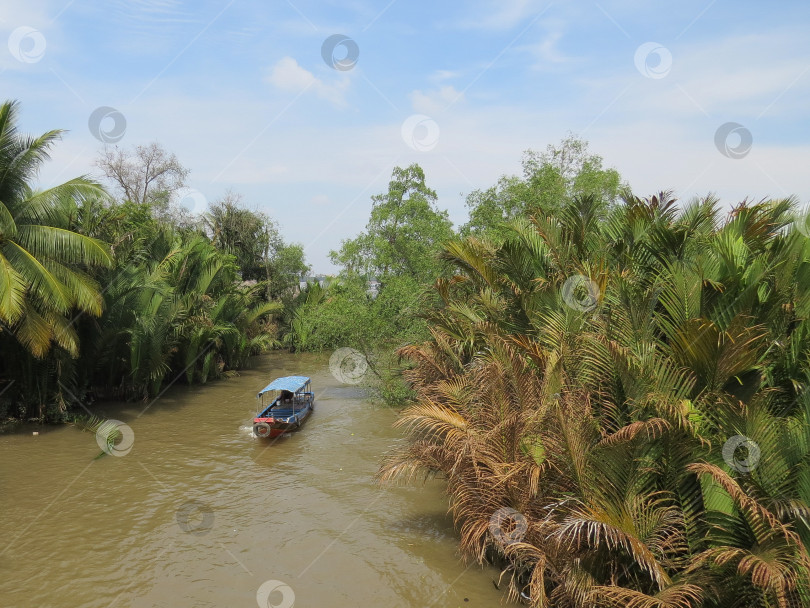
(270, 425)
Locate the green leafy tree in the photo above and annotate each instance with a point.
(255, 241)
(241, 232)
(285, 266)
(404, 233)
(400, 248)
(550, 180)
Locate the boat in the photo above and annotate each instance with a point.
(291, 402)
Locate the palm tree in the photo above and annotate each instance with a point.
(172, 303)
(175, 309)
(606, 426)
(42, 263)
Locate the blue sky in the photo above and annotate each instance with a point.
(239, 90)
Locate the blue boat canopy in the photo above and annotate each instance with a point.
(288, 383)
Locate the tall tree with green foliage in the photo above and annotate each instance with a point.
(260, 250)
(404, 233)
(550, 180)
(400, 248)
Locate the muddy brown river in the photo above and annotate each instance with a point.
(199, 513)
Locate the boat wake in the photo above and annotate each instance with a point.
(247, 429)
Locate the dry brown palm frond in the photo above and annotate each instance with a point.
(474, 428)
(537, 584)
(570, 437)
(649, 429)
(432, 362)
(530, 348)
(676, 595)
(771, 569)
(527, 569)
(590, 526)
(681, 414)
(473, 507)
(575, 588)
(417, 457)
(455, 392)
(442, 287)
(434, 421)
(751, 507)
(788, 508)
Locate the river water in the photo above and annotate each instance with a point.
(199, 513)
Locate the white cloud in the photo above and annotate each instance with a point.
(249, 170)
(291, 77)
(145, 27)
(440, 76)
(436, 101)
(287, 75)
(750, 89)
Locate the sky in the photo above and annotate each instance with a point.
(304, 107)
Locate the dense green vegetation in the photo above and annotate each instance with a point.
(106, 297)
(399, 253)
(374, 304)
(631, 379)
